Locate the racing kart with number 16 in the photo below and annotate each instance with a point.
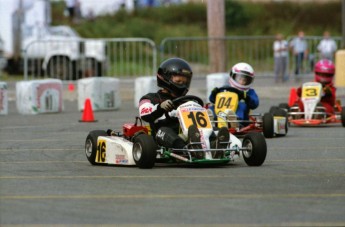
(134, 146)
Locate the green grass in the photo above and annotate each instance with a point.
(185, 20)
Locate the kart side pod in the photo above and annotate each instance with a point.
(130, 129)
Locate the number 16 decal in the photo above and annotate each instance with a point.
(198, 118)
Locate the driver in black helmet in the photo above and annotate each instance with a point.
(173, 77)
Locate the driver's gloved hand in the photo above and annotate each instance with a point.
(327, 90)
(215, 91)
(167, 105)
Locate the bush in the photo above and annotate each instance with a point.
(241, 18)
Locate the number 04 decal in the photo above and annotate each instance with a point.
(199, 118)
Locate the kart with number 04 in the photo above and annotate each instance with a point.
(270, 124)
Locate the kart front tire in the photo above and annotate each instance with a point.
(281, 113)
(256, 149)
(91, 145)
(144, 151)
(268, 125)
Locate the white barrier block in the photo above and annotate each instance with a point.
(216, 80)
(3, 98)
(144, 85)
(103, 92)
(39, 96)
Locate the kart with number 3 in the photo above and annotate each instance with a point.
(135, 146)
(313, 114)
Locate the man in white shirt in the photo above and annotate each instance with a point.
(280, 49)
(70, 5)
(300, 51)
(327, 47)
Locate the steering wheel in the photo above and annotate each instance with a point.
(180, 100)
(234, 90)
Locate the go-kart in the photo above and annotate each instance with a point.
(225, 107)
(134, 145)
(314, 114)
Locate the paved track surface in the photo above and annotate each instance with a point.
(45, 178)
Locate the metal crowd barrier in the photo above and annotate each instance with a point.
(81, 58)
(134, 57)
(256, 50)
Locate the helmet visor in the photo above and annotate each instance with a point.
(243, 79)
(325, 75)
(180, 80)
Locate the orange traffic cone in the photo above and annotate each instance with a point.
(88, 112)
(293, 96)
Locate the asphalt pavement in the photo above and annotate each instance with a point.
(46, 180)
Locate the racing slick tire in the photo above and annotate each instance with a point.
(284, 106)
(144, 151)
(268, 125)
(256, 149)
(91, 145)
(281, 113)
(342, 116)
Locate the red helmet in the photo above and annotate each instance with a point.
(324, 71)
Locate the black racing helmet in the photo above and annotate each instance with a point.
(172, 67)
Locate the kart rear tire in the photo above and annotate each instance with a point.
(268, 125)
(91, 145)
(257, 149)
(342, 115)
(144, 151)
(284, 106)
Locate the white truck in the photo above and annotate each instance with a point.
(33, 47)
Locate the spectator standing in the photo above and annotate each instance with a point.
(70, 5)
(280, 49)
(300, 51)
(327, 47)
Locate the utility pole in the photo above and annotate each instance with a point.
(343, 22)
(216, 34)
(18, 18)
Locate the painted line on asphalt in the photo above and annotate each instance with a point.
(167, 176)
(43, 149)
(174, 196)
(285, 224)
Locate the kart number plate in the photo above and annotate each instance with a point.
(311, 91)
(226, 101)
(199, 118)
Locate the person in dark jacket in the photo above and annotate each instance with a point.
(173, 77)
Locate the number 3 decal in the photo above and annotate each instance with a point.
(310, 92)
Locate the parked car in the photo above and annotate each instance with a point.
(62, 53)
